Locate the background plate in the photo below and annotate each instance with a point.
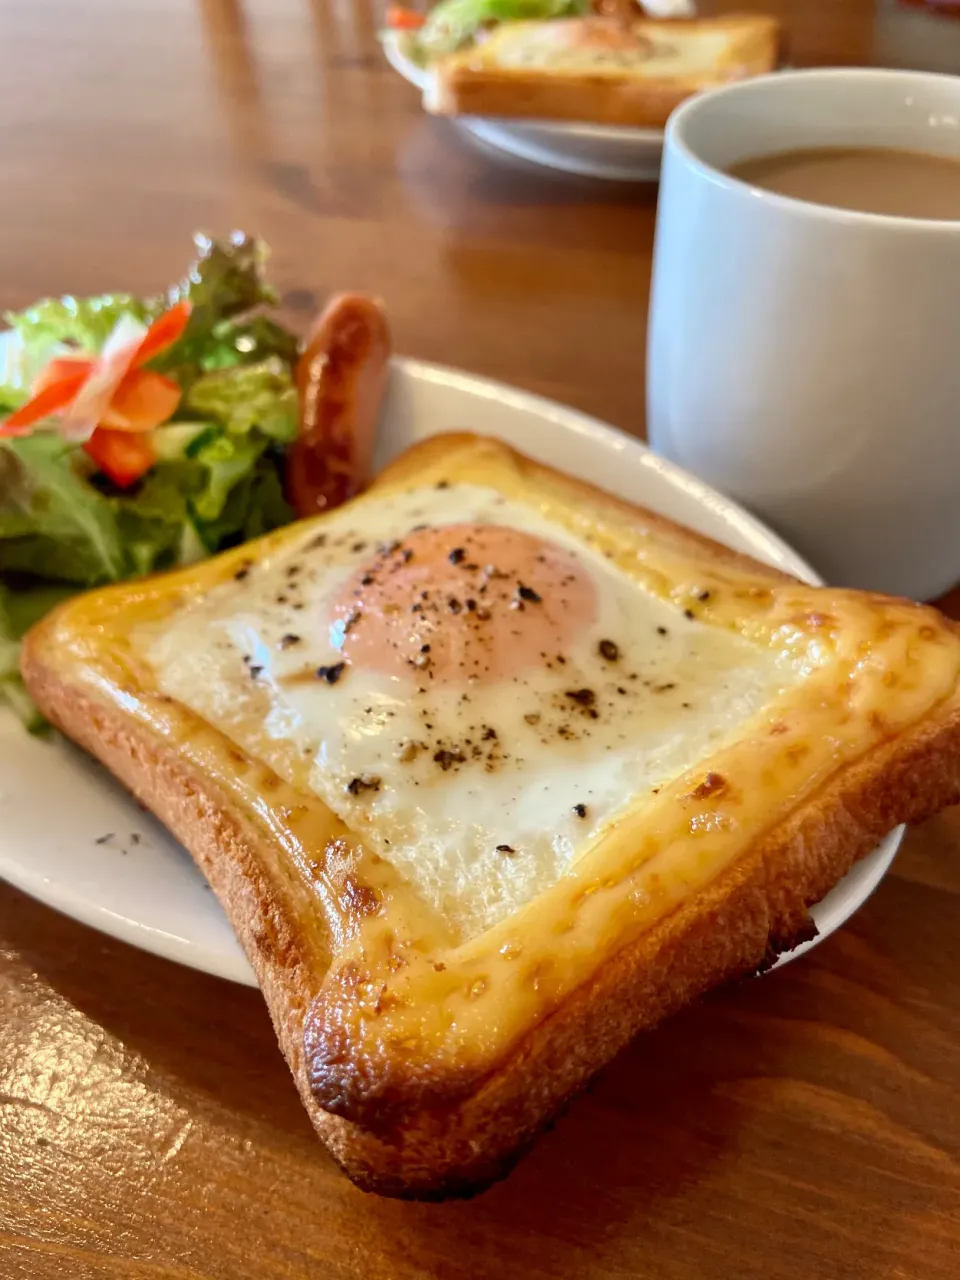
(591, 150)
(70, 835)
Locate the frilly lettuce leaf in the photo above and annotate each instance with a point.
(225, 287)
(454, 23)
(245, 397)
(54, 524)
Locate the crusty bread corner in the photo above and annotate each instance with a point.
(754, 910)
(475, 83)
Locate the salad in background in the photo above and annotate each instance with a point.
(452, 24)
(142, 433)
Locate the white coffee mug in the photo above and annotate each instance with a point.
(806, 359)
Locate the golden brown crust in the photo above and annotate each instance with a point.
(474, 84)
(455, 1144)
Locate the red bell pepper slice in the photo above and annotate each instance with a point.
(124, 456)
(400, 18)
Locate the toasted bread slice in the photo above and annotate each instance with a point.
(437, 1014)
(600, 70)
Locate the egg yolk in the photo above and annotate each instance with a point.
(464, 603)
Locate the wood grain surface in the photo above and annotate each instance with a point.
(806, 1125)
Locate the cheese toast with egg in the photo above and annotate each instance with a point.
(491, 770)
(600, 70)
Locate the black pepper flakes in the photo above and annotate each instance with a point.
(289, 640)
(528, 594)
(608, 651)
(356, 786)
(662, 631)
(255, 671)
(241, 574)
(582, 697)
(688, 613)
(505, 848)
(454, 605)
(456, 555)
(580, 810)
(447, 759)
(331, 673)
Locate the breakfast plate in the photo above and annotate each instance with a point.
(613, 152)
(69, 834)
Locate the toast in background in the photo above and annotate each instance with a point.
(600, 70)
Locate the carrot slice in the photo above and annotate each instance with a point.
(51, 399)
(60, 368)
(142, 401)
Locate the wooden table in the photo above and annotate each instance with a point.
(806, 1125)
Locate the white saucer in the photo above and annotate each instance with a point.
(69, 834)
(591, 150)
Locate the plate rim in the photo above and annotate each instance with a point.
(233, 965)
(532, 140)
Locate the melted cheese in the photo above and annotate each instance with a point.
(574, 47)
(480, 796)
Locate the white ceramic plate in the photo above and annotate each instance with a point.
(72, 837)
(591, 150)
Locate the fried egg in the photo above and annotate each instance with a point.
(471, 688)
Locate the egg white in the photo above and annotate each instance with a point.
(482, 835)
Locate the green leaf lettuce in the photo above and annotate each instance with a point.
(455, 23)
(218, 480)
